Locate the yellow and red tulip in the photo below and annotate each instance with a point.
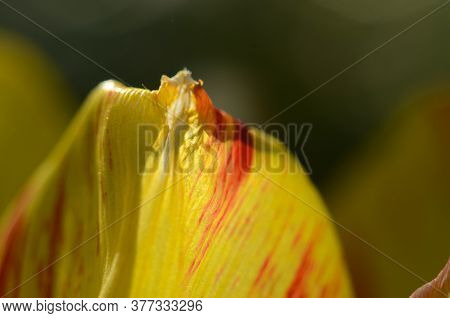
(191, 209)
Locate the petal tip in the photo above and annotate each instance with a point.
(182, 78)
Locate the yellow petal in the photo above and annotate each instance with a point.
(160, 194)
(395, 194)
(33, 112)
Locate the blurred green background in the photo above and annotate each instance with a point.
(258, 57)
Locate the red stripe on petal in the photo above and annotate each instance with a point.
(56, 238)
(230, 176)
(298, 287)
(13, 242)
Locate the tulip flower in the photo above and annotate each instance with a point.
(161, 194)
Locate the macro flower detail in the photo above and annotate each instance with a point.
(161, 194)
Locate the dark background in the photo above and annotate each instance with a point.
(256, 57)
